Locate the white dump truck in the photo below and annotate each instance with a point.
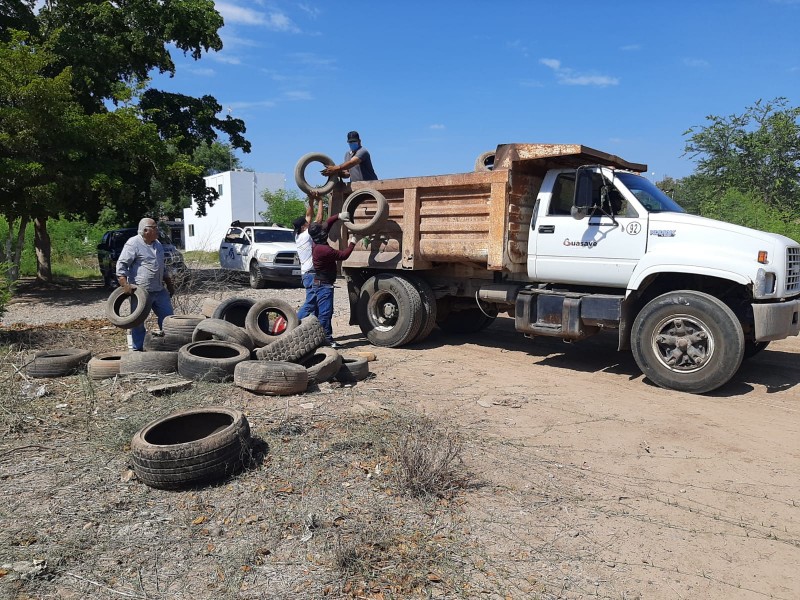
(569, 241)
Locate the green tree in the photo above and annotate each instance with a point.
(215, 158)
(283, 207)
(117, 143)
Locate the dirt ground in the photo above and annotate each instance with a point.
(585, 480)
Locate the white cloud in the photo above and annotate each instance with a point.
(312, 11)
(519, 47)
(298, 95)
(236, 106)
(202, 72)
(631, 47)
(314, 60)
(225, 59)
(696, 63)
(437, 126)
(531, 83)
(275, 20)
(567, 76)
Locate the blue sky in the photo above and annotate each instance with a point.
(431, 85)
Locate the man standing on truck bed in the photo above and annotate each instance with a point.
(357, 163)
(325, 259)
(304, 247)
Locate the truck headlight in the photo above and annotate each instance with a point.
(266, 257)
(765, 284)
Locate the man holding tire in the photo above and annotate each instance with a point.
(357, 163)
(304, 247)
(325, 258)
(141, 264)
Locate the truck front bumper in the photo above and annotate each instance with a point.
(776, 321)
(286, 273)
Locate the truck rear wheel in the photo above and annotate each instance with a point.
(389, 310)
(687, 341)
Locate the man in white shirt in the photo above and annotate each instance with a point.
(304, 247)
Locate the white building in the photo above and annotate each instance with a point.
(240, 199)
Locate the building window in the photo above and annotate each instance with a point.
(191, 230)
(219, 189)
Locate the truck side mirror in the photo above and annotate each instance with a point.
(582, 202)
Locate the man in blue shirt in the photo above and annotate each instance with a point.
(141, 264)
(357, 163)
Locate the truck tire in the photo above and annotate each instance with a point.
(217, 329)
(271, 378)
(104, 366)
(298, 343)
(210, 360)
(485, 161)
(378, 219)
(148, 363)
(462, 322)
(687, 341)
(261, 318)
(323, 364)
(257, 282)
(300, 173)
(139, 308)
(233, 310)
(58, 362)
(752, 348)
(389, 310)
(428, 307)
(190, 447)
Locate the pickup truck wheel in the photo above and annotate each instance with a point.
(300, 173)
(269, 320)
(389, 310)
(378, 218)
(485, 161)
(257, 282)
(687, 341)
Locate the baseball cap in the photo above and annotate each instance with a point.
(352, 136)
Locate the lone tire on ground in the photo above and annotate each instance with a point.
(389, 310)
(375, 217)
(271, 378)
(687, 341)
(300, 173)
(190, 447)
(58, 362)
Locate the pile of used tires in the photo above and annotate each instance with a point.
(260, 345)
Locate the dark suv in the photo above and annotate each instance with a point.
(111, 244)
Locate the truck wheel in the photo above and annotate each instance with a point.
(257, 282)
(377, 220)
(687, 341)
(485, 161)
(300, 173)
(428, 307)
(389, 310)
(470, 320)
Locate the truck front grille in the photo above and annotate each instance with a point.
(287, 258)
(793, 269)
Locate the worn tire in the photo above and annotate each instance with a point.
(271, 378)
(164, 343)
(485, 161)
(148, 363)
(105, 365)
(323, 364)
(300, 173)
(190, 447)
(257, 321)
(217, 329)
(298, 343)
(58, 362)
(687, 341)
(208, 306)
(378, 219)
(233, 310)
(353, 369)
(140, 308)
(389, 310)
(181, 325)
(210, 360)
(428, 307)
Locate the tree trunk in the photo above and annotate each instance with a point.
(23, 225)
(41, 243)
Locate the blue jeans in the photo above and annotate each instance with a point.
(323, 304)
(162, 306)
(310, 305)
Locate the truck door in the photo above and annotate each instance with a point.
(600, 249)
(230, 250)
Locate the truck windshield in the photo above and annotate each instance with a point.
(264, 236)
(652, 198)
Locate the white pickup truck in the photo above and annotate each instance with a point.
(268, 254)
(570, 241)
